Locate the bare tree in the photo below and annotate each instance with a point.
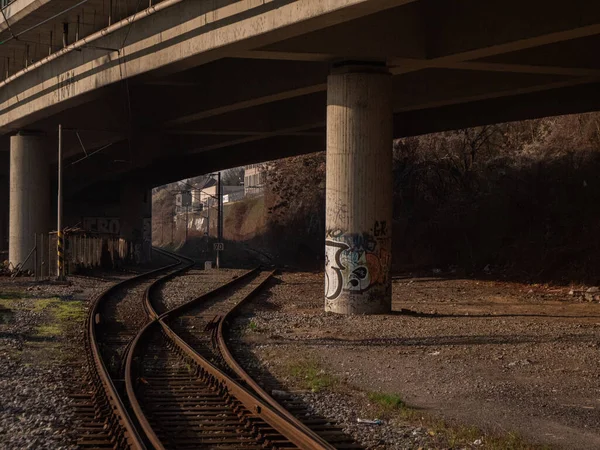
(233, 177)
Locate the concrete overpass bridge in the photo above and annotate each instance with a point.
(151, 92)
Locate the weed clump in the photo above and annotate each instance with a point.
(311, 376)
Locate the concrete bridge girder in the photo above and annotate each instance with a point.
(383, 27)
(251, 80)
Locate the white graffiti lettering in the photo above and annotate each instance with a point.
(333, 269)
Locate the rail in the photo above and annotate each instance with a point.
(295, 432)
(120, 421)
(239, 371)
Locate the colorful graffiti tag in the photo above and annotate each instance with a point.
(356, 262)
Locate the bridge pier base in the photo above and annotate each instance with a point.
(359, 190)
(136, 209)
(29, 187)
(4, 202)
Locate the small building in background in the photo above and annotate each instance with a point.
(183, 200)
(207, 196)
(203, 196)
(255, 176)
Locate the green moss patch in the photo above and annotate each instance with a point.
(386, 401)
(309, 374)
(61, 315)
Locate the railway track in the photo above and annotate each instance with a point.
(114, 319)
(165, 379)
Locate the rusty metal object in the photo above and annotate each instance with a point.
(295, 432)
(129, 387)
(237, 368)
(120, 426)
(258, 422)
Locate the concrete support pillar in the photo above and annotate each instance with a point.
(29, 195)
(135, 220)
(4, 202)
(359, 190)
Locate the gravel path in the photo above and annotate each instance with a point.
(504, 357)
(346, 409)
(193, 284)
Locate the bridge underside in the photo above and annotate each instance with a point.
(455, 63)
(201, 86)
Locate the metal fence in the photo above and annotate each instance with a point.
(82, 251)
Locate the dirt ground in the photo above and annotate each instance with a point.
(41, 359)
(503, 357)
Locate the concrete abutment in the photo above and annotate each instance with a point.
(29, 192)
(358, 190)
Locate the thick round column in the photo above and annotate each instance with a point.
(29, 212)
(4, 202)
(359, 191)
(135, 220)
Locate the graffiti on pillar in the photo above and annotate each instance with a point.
(337, 211)
(356, 262)
(112, 225)
(334, 268)
(380, 228)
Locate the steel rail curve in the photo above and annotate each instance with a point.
(99, 372)
(291, 429)
(239, 371)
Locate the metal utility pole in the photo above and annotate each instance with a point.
(59, 229)
(173, 226)
(219, 217)
(208, 201)
(220, 201)
(187, 208)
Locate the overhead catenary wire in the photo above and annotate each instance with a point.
(33, 27)
(84, 42)
(91, 154)
(81, 142)
(7, 23)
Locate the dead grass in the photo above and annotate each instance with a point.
(308, 373)
(44, 343)
(61, 315)
(454, 436)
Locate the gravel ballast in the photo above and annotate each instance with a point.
(503, 357)
(42, 358)
(193, 284)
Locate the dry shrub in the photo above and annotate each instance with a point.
(518, 197)
(295, 202)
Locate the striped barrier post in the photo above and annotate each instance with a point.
(60, 257)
